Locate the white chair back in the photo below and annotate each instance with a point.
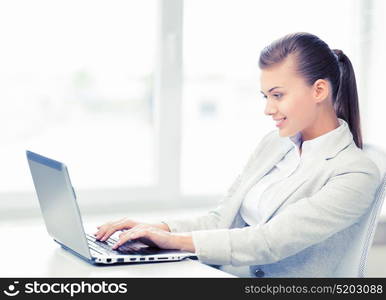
(354, 262)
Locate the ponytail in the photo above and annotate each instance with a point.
(346, 101)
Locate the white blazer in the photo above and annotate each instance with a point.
(311, 220)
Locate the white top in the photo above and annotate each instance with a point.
(253, 206)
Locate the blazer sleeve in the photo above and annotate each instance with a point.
(342, 200)
(213, 219)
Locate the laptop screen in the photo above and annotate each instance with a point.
(58, 202)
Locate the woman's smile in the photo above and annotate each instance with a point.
(280, 122)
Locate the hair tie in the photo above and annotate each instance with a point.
(338, 54)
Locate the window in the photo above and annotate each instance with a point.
(77, 86)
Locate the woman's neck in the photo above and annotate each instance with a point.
(320, 126)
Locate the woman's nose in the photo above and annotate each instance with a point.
(270, 108)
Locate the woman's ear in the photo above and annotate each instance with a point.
(321, 90)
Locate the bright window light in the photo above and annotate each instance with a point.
(76, 82)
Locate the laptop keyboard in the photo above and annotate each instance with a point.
(130, 247)
(101, 247)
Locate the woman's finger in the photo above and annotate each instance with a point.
(107, 229)
(139, 234)
(122, 239)
(122, 234)
(108, 233)
(131, 236)
(102, 229)
(101, 232)
(128, 232)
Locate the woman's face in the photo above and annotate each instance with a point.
(289, 98)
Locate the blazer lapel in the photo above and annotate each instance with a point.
(259, 168)
(339, 141)
(282, 194)
(264, 163)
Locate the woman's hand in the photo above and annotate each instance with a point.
(158, 237)
(107, 229)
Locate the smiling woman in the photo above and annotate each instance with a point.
(305, 195)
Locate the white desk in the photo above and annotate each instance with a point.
(45, 258)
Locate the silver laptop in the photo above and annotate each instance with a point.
(64, 223)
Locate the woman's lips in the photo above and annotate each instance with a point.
(279, 123)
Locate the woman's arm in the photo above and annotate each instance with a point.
(339, 204)
(158, 237)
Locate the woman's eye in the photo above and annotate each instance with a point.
(277, 96)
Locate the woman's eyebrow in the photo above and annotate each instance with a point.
(271, 89)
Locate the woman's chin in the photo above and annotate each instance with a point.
(285, 133)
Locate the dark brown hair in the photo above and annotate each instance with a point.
(315, 60)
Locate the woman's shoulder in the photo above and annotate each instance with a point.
(354, 159)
